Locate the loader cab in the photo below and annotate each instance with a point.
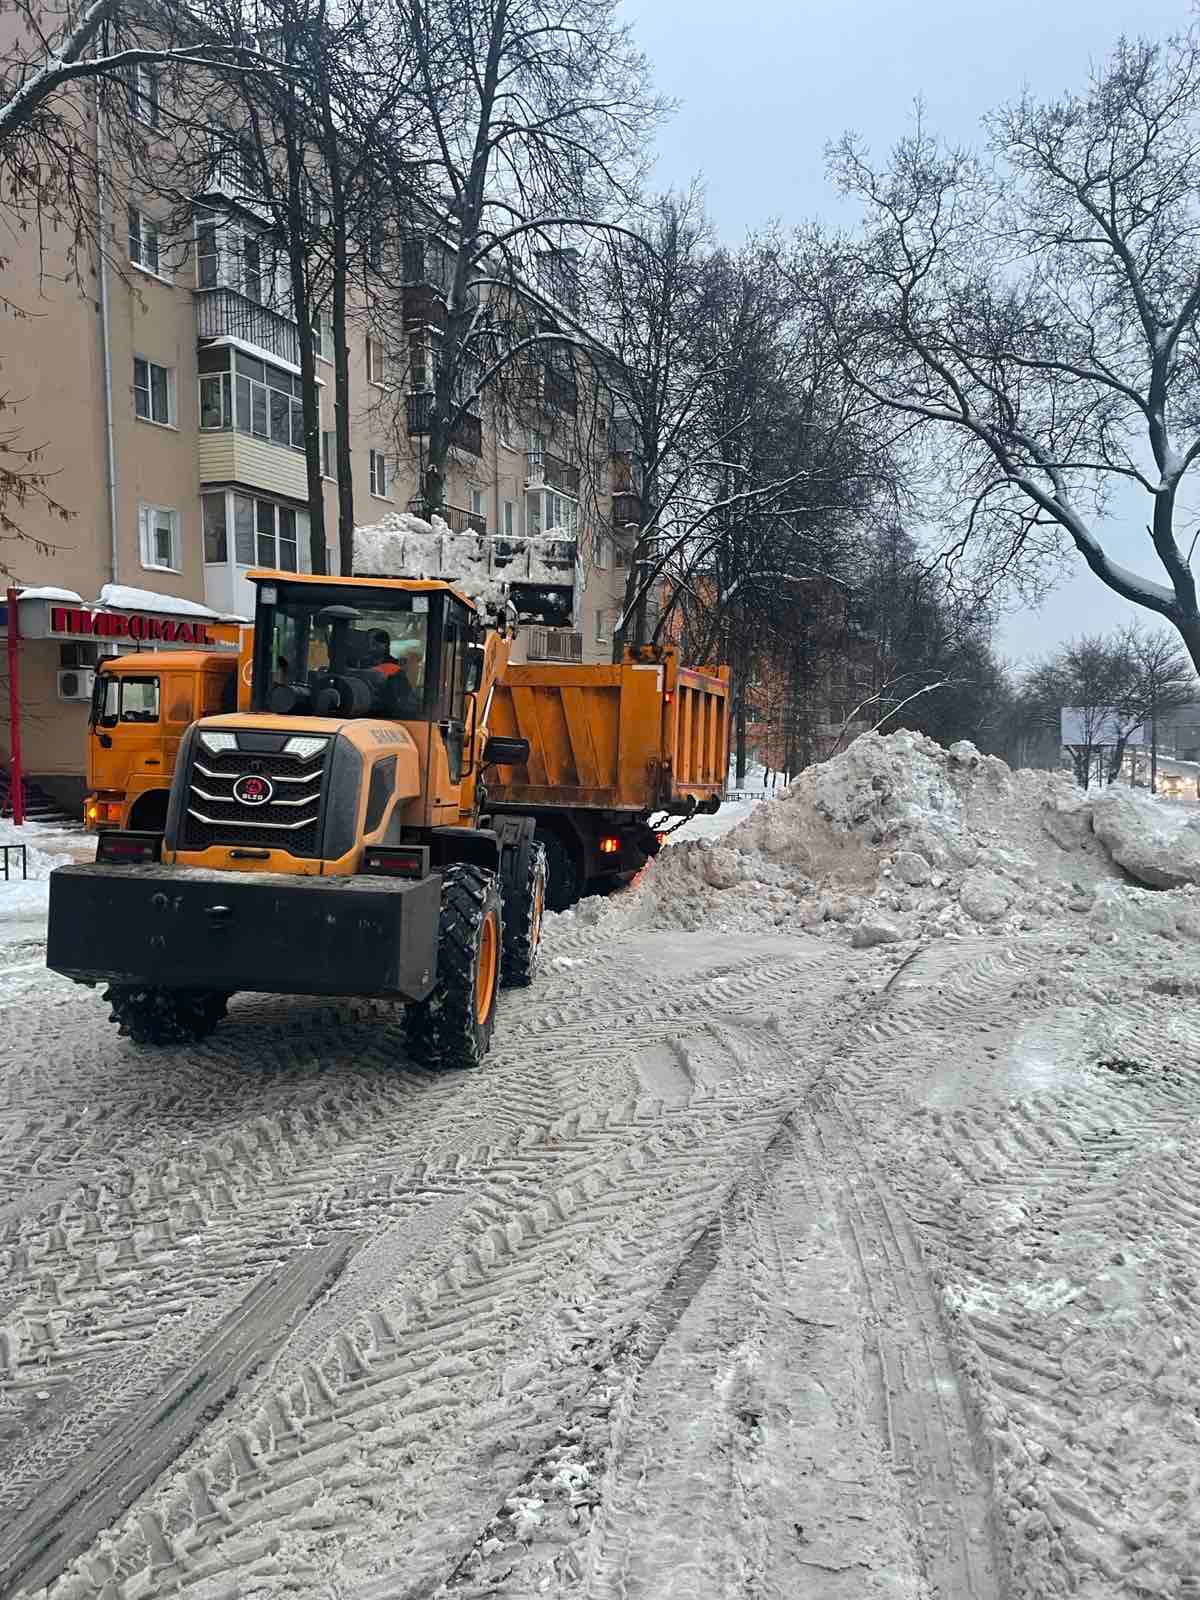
(406, 653)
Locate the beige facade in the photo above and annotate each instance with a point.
(175, 370)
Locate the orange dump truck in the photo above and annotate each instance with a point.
(610, 747)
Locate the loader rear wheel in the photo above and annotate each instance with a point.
(452, 1027)
(523, 887)
(150, 1015)
(564, 883)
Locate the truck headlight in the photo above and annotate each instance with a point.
(304, 745)
(216, 742)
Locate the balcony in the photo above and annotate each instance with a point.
(559, 392)
(544, 470)
(424, 306)
(226, 314)
(546, 644)
(626, 510)
(460, 521)
(466, 435)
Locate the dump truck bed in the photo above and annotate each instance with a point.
(638, 737)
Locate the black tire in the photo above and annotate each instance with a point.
(565, 881)
(523, 878)
(150, 1015)
(452, 1027)
(149, 813)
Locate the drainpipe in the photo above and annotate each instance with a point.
(106, 344)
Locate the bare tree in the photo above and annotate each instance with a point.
(537, 113)
(1036, 319)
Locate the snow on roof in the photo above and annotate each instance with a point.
(122, 598)
(49, 592)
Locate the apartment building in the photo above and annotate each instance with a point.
(164, 395)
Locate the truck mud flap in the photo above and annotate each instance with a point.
(192, 928)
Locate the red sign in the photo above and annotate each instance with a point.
(122, 625)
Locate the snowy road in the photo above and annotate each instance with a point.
(754, 1267)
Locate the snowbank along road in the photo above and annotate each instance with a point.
(824, 1223)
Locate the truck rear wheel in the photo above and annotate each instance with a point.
(523, 884)
(564, 879)
(452, 1027)
(149, 1015)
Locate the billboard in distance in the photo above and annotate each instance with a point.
(1105, 729)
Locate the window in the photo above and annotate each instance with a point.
(379, 474)
(509, 519)
(208, 255)
(216, 543)
(153, 392)
(604, 622)
(375, 361)
(142, 89)
(127, 700)
(144, 248)
(603, 557)
(158, 534)
(252, 278)
(322, 335)
(255, 397)
(216, 401)
(375, 244)
(330, 559)
(328, 454)
(477, 502)
(264, 534)
(420, 363)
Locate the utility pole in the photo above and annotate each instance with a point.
(16, 783)
(1153, 738)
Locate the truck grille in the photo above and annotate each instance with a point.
(290, 820)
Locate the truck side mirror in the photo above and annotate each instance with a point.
(502, 752)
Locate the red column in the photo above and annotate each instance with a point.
(14, 710)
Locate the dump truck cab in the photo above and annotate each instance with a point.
(328, 839)
(142, 705)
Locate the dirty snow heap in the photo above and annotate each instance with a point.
(898, 838)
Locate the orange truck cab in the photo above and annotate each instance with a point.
(142, 705)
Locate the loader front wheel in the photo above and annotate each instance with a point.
(523, 883)
(151, 1015)
(452, 1027)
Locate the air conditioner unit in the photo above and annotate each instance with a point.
(75, 683)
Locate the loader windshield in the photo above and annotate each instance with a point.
(345, 653)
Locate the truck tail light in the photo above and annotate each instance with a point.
(98, 812)
(396, 861)
(609, 845)
(127, 849)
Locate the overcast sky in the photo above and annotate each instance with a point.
(764, 84)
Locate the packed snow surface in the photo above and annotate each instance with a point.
(822, 1223)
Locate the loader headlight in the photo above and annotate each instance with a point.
(216, 742)
(304, 745)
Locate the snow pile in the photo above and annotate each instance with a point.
(23, 904)
(404, 545)
(1158, 845)
(40, 863)
(898, 839)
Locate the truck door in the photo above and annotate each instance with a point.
(452, 684)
